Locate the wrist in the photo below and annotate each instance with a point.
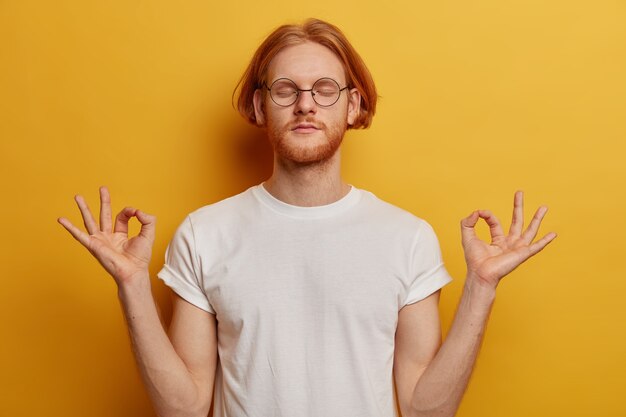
(137, 284)
(479, 293)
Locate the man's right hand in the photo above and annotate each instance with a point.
(122, 257)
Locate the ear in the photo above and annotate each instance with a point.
(259, 112)
(354, 105)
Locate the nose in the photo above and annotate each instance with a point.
(305, 104)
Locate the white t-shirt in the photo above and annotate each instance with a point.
(306, 299)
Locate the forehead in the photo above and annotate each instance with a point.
(306, 62)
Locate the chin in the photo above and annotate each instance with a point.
(303, 150)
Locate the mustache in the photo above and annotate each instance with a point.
(308, 121)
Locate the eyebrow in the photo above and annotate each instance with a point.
(340, 82)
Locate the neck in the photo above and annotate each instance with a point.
(307, 185)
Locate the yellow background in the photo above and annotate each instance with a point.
(478, 99)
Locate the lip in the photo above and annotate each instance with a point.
(305, 128)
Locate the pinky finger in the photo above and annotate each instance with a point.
(541, 243)
(78, 234)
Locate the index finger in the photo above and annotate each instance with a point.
(492, 221)
(122, 219)
(467, 226)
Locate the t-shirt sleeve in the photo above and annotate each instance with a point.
(181, 271)
(427, 269)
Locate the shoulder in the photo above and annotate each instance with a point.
(221, 215)
(223, 210)
(390, 214)
(225, 205)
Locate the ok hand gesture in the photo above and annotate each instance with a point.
(489, 263)
(122, 257)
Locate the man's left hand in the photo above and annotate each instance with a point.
(489, 263)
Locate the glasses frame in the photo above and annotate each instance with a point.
(301, 90)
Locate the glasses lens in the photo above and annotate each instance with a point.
(284, 92)
(326, 92)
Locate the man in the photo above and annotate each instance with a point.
(316, 296)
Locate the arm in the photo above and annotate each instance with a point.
(418, 338)
(431, 378)
(178, 373)
(434, 381)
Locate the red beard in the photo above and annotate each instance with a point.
(320, 147)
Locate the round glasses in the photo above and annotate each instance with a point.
(325, 92)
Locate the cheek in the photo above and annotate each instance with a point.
(277, 127)
(275, 119)
(345, 116)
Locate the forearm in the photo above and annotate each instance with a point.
(169, 383)
(440, 388)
